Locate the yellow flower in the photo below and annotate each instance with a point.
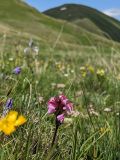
(100, 72)
(21, 120)
(9, 123)
(60, 66)
(84, 74)
(102, 130)
(8, 128)
(83, 71)
(12, 116)
(91, 69)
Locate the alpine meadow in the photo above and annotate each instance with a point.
(59, 83)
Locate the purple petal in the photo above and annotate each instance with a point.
(51, 109)
(60, 118)
(9, 103)
(17, 70)
(69, 107)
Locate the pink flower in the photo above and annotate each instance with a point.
(60, 106)
(52, 104)
(60, 118)
(51, 109)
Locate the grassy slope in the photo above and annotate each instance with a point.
(17, 17)
(81, 15)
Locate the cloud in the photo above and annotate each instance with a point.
(113, 12)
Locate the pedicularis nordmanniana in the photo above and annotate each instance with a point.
(60, 106)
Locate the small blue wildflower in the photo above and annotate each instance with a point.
(7, 107)
(9, 103)
(17, 70)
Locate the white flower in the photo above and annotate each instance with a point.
(92, 111)
(36, 49)
(60, 85)
(30, 44)
(118, 114)
(107, 110)
(11, 59)
(27, 50)
(66, 75)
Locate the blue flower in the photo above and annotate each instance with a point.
(17, 70)
(7, 107)
(9, 103)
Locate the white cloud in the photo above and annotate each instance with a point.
(113, 12)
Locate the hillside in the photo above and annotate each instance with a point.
(18, 19)
(88, 18)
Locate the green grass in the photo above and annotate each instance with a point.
(87, 136)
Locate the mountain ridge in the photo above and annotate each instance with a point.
(108, 26)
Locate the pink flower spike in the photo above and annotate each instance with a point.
(60, 105)
(60, 118)
(53, 102)
(69, 107)
(62, 97)
(51, 109)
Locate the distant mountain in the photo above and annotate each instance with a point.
(18, 19)
(88, 18)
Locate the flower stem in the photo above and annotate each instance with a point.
(55, 133)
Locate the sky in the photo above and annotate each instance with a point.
(109, 7)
